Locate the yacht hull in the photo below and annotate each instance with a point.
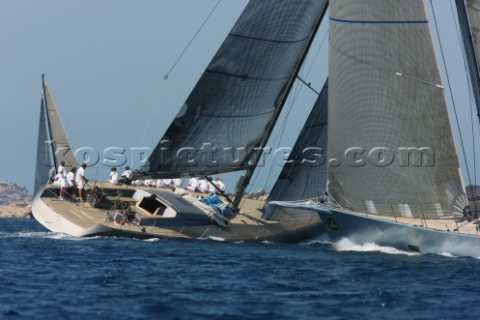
(361, 229)
(188, 221)
(56, 222)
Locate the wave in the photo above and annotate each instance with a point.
(151, 240)
(348, 245)
(213, 238)
(44, 235)
(321, 239)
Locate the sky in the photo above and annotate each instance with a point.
(105, 63)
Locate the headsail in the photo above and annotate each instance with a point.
(231, 109)
(44, 161)
(469, 18)
(390, 141)
(304, 176)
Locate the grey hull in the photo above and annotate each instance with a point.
(360, 229)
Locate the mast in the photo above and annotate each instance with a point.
(243, 183)
(469, 52)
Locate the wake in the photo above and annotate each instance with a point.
(43, 235)
(348, 245)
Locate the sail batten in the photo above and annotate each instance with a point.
(235, 100)
(389, 130)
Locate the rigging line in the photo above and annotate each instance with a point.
(276, 137)
(191, 40)
(308, 84)
(450, 90)
(149, 121)
(472, 103)
(279, 135)
(131, 107)
(296, 94)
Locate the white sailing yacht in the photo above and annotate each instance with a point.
(232, 110)
(393, 171)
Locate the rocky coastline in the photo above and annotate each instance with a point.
(15, 200)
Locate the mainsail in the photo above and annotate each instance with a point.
(231, 110)
(469, 19)
(304, 176)
(390, 142)
(61, 145)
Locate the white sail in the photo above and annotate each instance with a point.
(61, 146)
(44, 161)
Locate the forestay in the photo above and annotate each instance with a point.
(232, 106)
(385, 99)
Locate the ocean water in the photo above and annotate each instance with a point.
(47, 275)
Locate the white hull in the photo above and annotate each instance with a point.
(55, 222)
(156, 213)
(361, 229)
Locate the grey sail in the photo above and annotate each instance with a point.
(231, 109)
(390, 141)
(61, 145)
(304, 176)
(44, 162)
(469, 19)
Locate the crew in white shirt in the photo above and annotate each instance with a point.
(60, 181)
(178, 183)
(149, 182)
(211, 187)
(126, 176)
(113, 176)
(220, 185)
(192, 184)
(72, 186)
(61, 169)
(202, 186)
(81, 180)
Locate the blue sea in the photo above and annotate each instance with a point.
(46, 275)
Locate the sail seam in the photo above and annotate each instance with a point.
(235, 116)
(380, 21)
(245, 76)
(268, 40)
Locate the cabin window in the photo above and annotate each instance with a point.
(152, 205)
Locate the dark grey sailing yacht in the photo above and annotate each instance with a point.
(393, 171)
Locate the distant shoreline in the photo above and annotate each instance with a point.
(19, 209)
